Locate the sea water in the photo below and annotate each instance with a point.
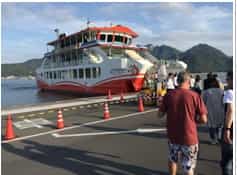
(24, 92)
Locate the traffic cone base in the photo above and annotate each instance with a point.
(121, 98)
(106, 111)
(9, 129)
(109, 95)
(60, 121)
(140, 105)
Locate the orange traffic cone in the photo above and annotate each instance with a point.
(106, 111)
(60, 121)
(140, 104)
(121, 97)
(9, 129)
(109, 95)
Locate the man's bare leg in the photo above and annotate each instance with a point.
(172, 168)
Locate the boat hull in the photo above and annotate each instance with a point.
(115, 86)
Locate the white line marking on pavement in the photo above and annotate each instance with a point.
(139, 130)
(77, 126)
(33, 123)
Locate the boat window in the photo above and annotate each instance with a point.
(73, 40)
(93, 36)
(70, 74)
(67, 42)
(79, 57)
(58, 75)
(54, 75)
(98, 72)
(125, 40)
(62, 44)
(94, 74)
(68, 58)
(53, 59)
(110, 38)
(79, 38)
(75, 73)
(129, 41)
(86, 37)
(63, 74)
(88, 73)
(102, 37)
(118, 38)
(50, 75)
(81, 73)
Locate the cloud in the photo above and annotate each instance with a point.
(28, 26)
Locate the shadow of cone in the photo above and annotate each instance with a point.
(60, 121)
(106, 111)
(140, 104)
(9, 129)
(109, 95)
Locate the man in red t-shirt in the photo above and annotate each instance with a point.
(184, 109)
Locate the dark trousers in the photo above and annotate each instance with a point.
(215, 133)
(227, 159)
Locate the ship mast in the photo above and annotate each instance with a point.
(57, 34)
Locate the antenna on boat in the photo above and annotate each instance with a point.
(88, 22)
(57, 32)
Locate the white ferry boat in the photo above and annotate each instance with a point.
(95, 60)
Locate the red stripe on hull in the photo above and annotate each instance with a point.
(116, 86)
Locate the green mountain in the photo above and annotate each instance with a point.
(200, 58)
(204, 58)
(165, 52)
(21, 69)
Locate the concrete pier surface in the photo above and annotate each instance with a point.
(87, 148)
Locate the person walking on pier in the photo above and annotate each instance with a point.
(213, 98)
(197, 85)
(170, 82)
(227, 142)
(184, 109)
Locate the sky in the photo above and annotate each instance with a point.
(27, 27)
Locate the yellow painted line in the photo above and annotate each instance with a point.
(74, 108)
(41, 113)
(51, 111)
(21, 117)
(65, 109)
(31, 115)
